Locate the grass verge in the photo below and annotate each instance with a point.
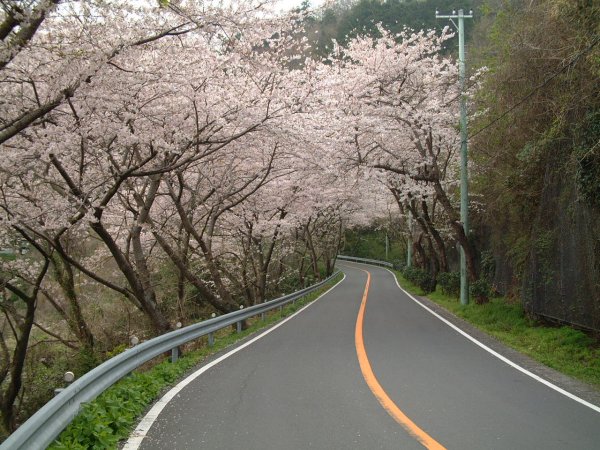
(565, 349)
(111, 417)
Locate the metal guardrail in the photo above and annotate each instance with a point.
(46, 424)
(365, 261)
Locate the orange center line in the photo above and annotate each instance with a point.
(369, 376)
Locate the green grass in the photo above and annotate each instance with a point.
(111, 417)
(565, 349)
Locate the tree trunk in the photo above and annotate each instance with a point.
(142, 272)
(438, 242)
(468, 249)
(74, 317)
(311, 248)
(264, 259)
(8, 398)
(215, 275)
(459, 232)
(219, 304)
(184, 244)
(420, 251)
(16, 369)
(147, 300)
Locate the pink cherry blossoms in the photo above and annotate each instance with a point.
(170, 161)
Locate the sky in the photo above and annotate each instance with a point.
(289, 4)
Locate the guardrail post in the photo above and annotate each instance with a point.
(175, 351)
(262, 316)
(211, 339)
(239, 323)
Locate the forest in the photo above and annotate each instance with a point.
(167, 160)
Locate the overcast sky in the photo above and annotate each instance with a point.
(289, 4)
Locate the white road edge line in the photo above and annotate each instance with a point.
(498, 355)
(138, 435)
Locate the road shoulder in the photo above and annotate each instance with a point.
(579, 388)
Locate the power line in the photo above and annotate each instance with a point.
(536, 89)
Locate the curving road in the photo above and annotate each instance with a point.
(419, 384)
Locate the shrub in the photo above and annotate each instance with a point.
(399, 265)
(481, 291)
(421, 278)
(104, 421)
(410, 273)
(450, 283)
(427, 283)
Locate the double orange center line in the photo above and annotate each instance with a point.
(369, 376)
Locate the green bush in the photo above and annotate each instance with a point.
(102, 423)
(420, 277)
(481, 291)
(410, 273)
(399, 264)
(450, 283)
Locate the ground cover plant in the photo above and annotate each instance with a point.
(108, 419)
(563, 348)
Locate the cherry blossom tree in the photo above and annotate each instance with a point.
(107, 147)
(195, 136)
(399, 98)
(104, 111)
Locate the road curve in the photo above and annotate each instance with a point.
(302, 386)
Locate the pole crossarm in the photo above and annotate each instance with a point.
(454, 15)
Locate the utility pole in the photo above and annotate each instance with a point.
(464, 185)
(409, 242)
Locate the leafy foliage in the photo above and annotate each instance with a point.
(420, 277)
(481, 291)
(588, 159)
(365, 242)
(534, 148)
(449, 282)
(104, 421)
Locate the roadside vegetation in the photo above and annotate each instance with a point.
(111, 417)
(563, 348)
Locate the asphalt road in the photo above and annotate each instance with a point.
(301, 386)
